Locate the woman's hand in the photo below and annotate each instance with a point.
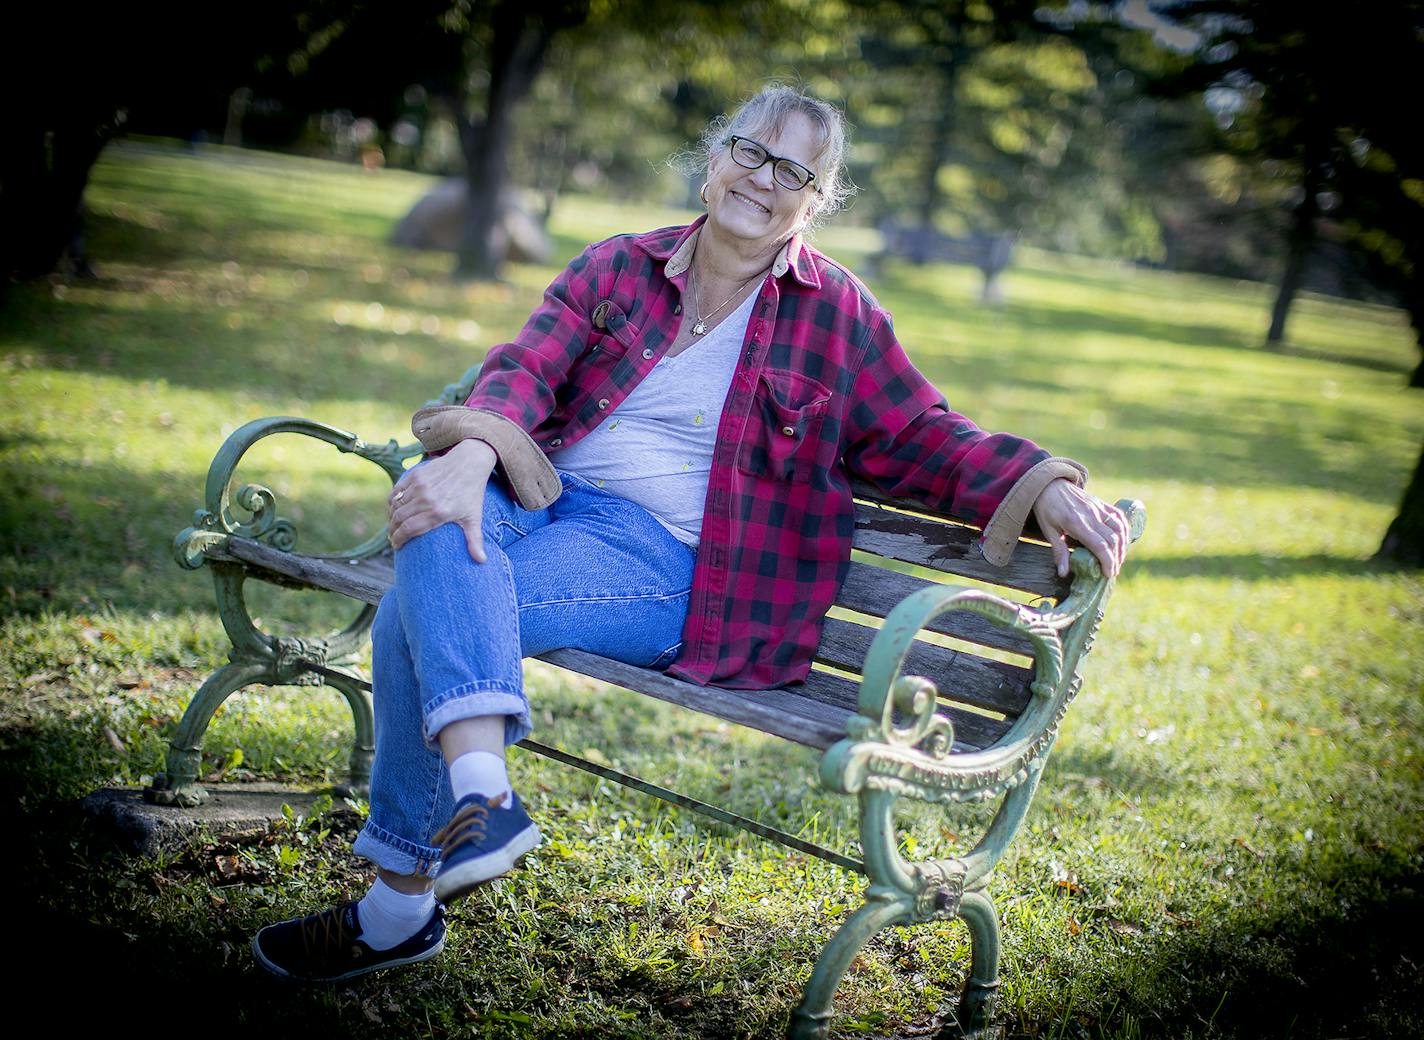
(449, 489)
(1064, 510)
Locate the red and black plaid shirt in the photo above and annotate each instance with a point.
(823, 389)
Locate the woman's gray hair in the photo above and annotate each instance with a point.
(765, 114)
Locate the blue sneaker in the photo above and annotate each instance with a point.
(327, 947)
(482, 841)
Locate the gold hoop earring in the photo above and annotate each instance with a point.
(703, 193)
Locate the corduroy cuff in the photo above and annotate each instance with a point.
(1001, 533)
(530, 474)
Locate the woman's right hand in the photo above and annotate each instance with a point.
(444, 490)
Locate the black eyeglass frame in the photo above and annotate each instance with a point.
(775, 160)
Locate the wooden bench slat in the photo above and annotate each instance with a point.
(951, 548)
(813, 713)
(876, 591)
(783, 713)
(364, 580)
(994, 685)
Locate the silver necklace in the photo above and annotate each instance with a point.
(701, 327)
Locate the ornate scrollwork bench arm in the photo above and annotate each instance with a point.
(881, 759)
(257, 657)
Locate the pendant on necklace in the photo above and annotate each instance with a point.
(699, 329)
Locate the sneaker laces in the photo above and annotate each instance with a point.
(328, 931)
(467, 825)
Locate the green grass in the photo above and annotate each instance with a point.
(1228, 839)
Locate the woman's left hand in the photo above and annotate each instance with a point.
(1064, 510)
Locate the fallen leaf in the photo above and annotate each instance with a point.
(1069, 885)
(114, 741)
(1074, 928)
(35, 678)
(1121, 927)
(228, 866)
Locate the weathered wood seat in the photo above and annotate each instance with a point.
(926, 689)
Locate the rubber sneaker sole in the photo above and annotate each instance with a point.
(460, 879)
(397, 962)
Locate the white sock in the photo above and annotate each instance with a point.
(482, 773)
(388, 918)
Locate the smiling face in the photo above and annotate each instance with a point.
(749, 204)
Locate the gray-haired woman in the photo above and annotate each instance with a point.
(672, 436)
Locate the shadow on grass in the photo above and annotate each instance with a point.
(92, 955)
(1343, 965)
(1253, 566)
(1099, 767)
(1373, 364)
(84, 537)
(296, 353)
(1054, 320)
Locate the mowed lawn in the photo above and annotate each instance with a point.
(1228, 838)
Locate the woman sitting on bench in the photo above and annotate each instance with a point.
(673, 431)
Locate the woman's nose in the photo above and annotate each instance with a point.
(762, 177)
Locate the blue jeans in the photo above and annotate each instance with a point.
(592, 571)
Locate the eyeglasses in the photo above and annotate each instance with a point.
(786, 172)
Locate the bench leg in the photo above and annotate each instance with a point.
(178, 784)
(812, 1020)
(363, 747)
(976, 1006)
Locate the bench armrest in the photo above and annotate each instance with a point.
(220, 519)
(914, 758)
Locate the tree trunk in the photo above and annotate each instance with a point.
(940, 133)
(520, 41)
(1298, 246)
(42, 179)
(1404, 541)
(1414, 304)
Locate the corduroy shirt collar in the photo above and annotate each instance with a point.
(678, 254)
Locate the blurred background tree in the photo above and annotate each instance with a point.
(1308, 106)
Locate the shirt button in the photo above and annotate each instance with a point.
(677, 309)
(556, 442)
(603, 405)
(647, 353)
(790, 431)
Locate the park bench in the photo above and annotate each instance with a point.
(898, 711)
(990, 253)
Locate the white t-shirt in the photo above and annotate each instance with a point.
(655, 449)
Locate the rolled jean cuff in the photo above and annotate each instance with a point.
(394, 853)
(473, 700)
